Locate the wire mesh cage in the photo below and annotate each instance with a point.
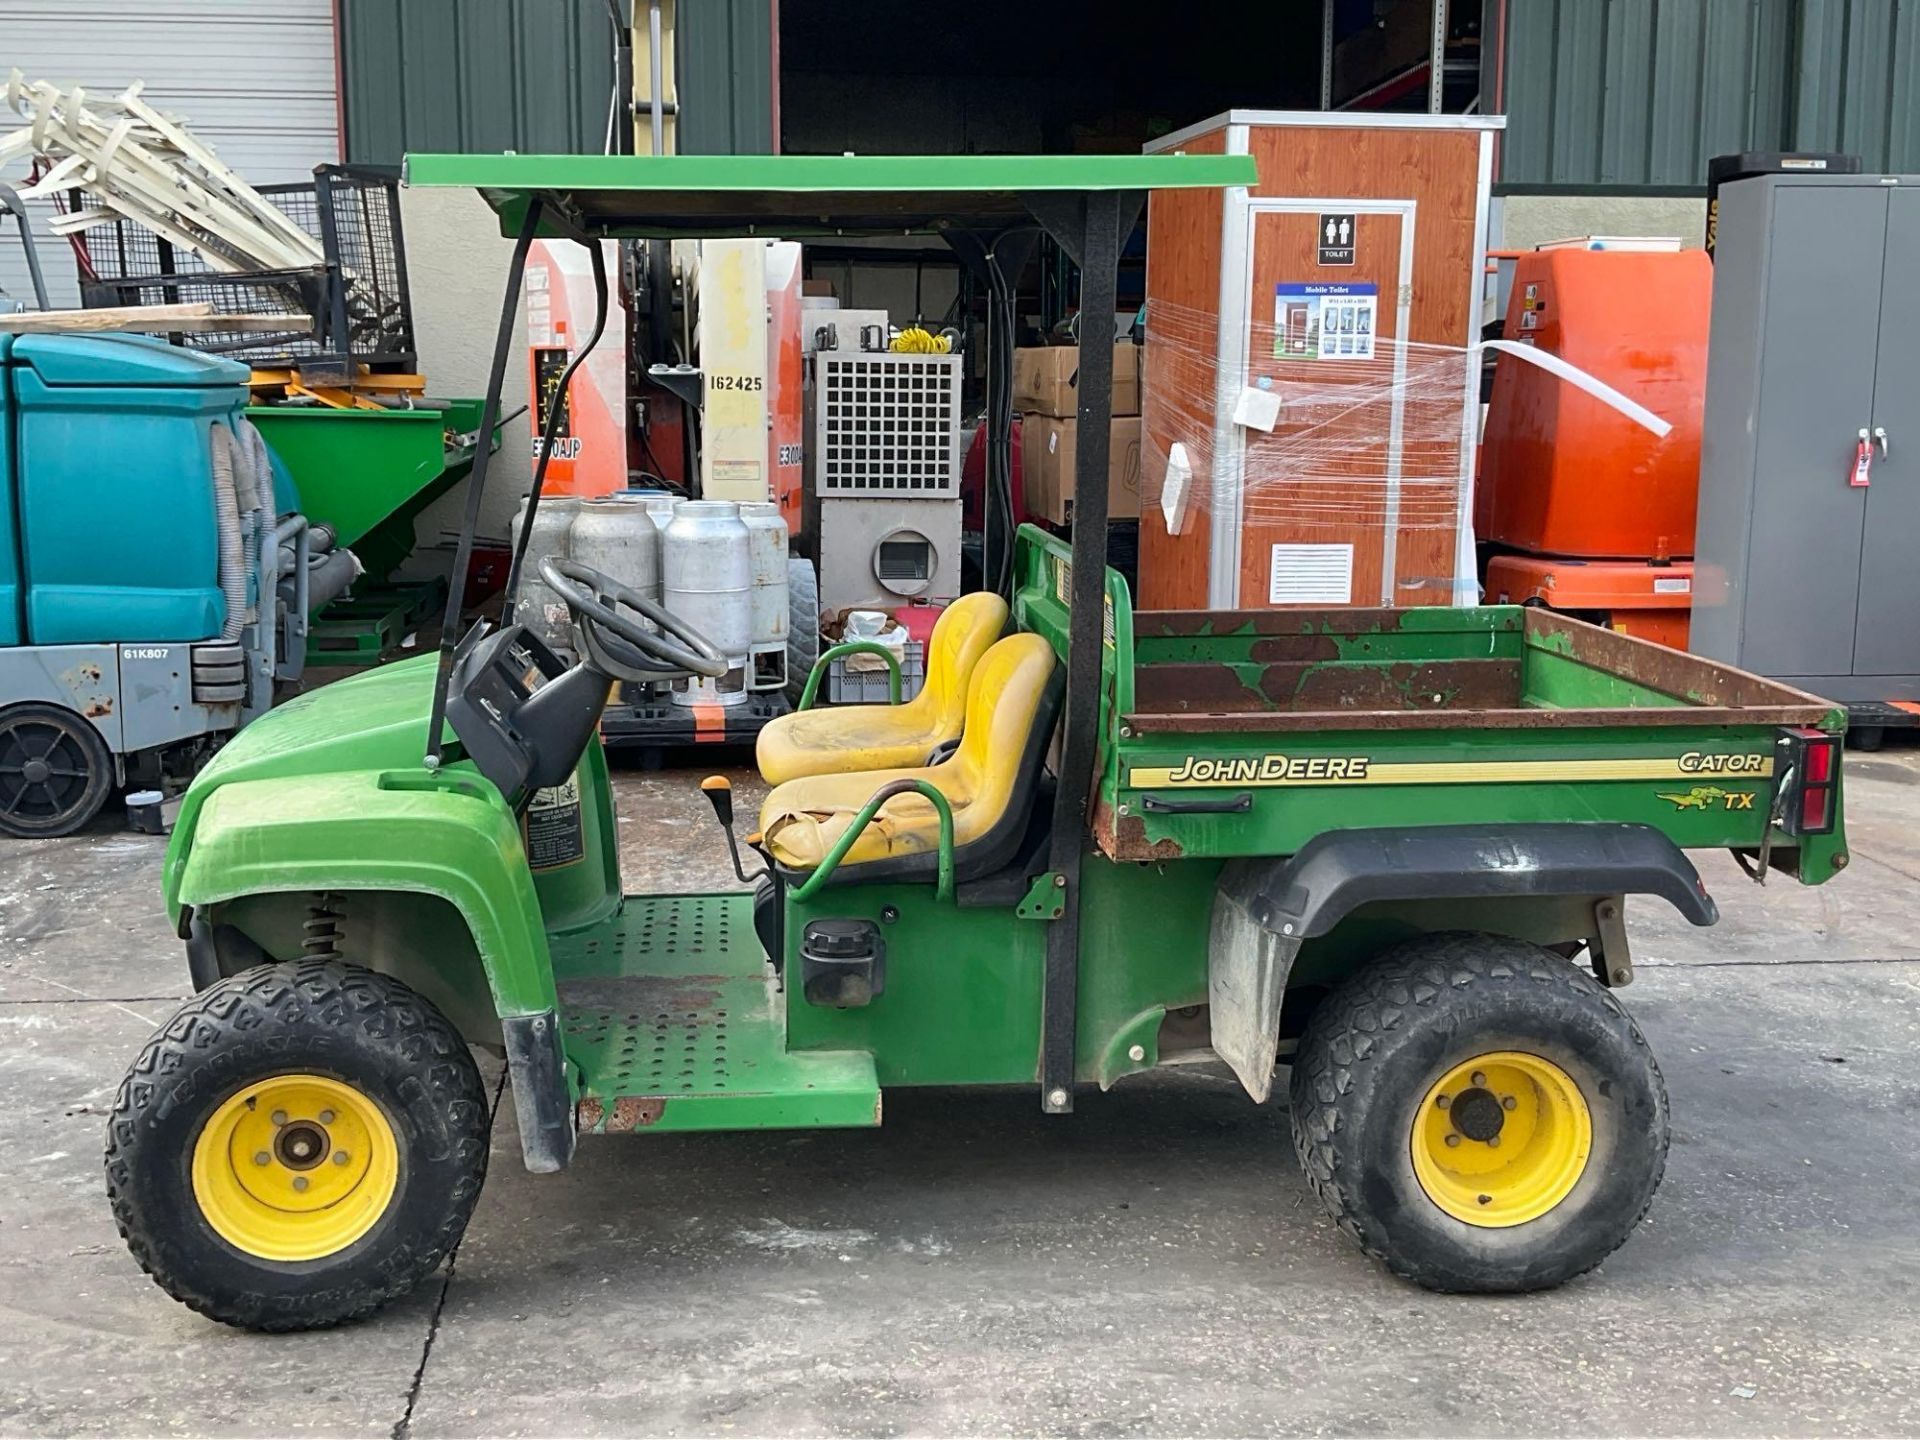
(357, 301)
(887, 424)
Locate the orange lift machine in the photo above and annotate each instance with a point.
(1578, 507)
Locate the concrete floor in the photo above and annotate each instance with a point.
(1152, 1264)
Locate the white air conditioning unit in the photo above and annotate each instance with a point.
(886, 459)
(886, 425)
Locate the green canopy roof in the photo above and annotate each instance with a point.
(797, 195)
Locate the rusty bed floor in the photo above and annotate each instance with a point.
(675, 1022)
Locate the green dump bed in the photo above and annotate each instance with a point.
(1250, 732)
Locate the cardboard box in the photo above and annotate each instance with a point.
(1049, 448)
(1045, 380)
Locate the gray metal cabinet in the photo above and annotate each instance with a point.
(1798, 572)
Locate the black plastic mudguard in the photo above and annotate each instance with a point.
(537, 1065)
(1335, 873)
(1265, 909)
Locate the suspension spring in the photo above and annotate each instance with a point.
(322, 935)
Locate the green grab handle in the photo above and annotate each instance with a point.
(944, 888)
(852, 647)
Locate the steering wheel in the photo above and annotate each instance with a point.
(595, 600)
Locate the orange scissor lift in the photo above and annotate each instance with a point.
(1579, 508)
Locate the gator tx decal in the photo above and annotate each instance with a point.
(1202, 771)
(1695, 762)
(1709, 797)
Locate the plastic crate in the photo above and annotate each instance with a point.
(358, 301)
(869, 687)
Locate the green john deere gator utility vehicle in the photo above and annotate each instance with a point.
(1387, 849)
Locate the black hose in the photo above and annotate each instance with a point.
(477, 482)
(555, 412)
(997, 516)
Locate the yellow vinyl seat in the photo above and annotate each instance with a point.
(990, 782)
(880, 737)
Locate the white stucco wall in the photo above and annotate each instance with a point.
(457, 266)
(1530, 220)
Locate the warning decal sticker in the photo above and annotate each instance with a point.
(552, 829)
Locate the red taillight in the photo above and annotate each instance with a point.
(1820, 760)
(1807, 767)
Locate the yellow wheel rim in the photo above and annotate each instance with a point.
(295, 1167)
(1501, 1139)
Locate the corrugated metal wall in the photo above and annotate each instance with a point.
(1643, 92)
(1631, 93)
(536, 76)
(254, 81)
(528, 75)
(1857, 81)
(726, 77)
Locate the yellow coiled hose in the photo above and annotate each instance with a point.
(918, 340)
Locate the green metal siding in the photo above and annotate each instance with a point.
(1643, 92)
(1855, 84)
(536, 76)
(725, 76)
(475, 75)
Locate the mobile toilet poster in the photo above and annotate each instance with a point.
(1317, 320)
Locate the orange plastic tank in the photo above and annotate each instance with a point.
(1562, 473)
(786, 417)
(590, 444)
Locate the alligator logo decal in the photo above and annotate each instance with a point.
(1705, 797)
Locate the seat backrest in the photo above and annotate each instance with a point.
(961, 635)
(1004, 701)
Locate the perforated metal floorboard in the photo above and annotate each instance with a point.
(675, 1022)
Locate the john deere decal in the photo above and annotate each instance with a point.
(1267, 769)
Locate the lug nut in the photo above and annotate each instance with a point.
(1493, 1142)
(339, 1157)
(261, 1157)
(1443, 1101)
(1479, 1077)
(299, 1182)
(1507, 1102)
(326, 1117)
(279, 1117)
(1453, 1139)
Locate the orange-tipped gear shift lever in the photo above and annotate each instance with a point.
(719, 792)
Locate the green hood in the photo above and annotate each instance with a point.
(375, 721)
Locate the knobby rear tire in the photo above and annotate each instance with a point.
(1374, 1048)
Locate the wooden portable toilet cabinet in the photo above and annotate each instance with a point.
(1363, 245)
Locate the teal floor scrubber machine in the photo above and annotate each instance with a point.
(155, 571)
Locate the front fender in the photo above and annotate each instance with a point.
(448, 835)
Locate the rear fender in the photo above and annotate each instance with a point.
(448, 836)
(1266, 909)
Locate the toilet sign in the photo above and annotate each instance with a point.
(1336, 239)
